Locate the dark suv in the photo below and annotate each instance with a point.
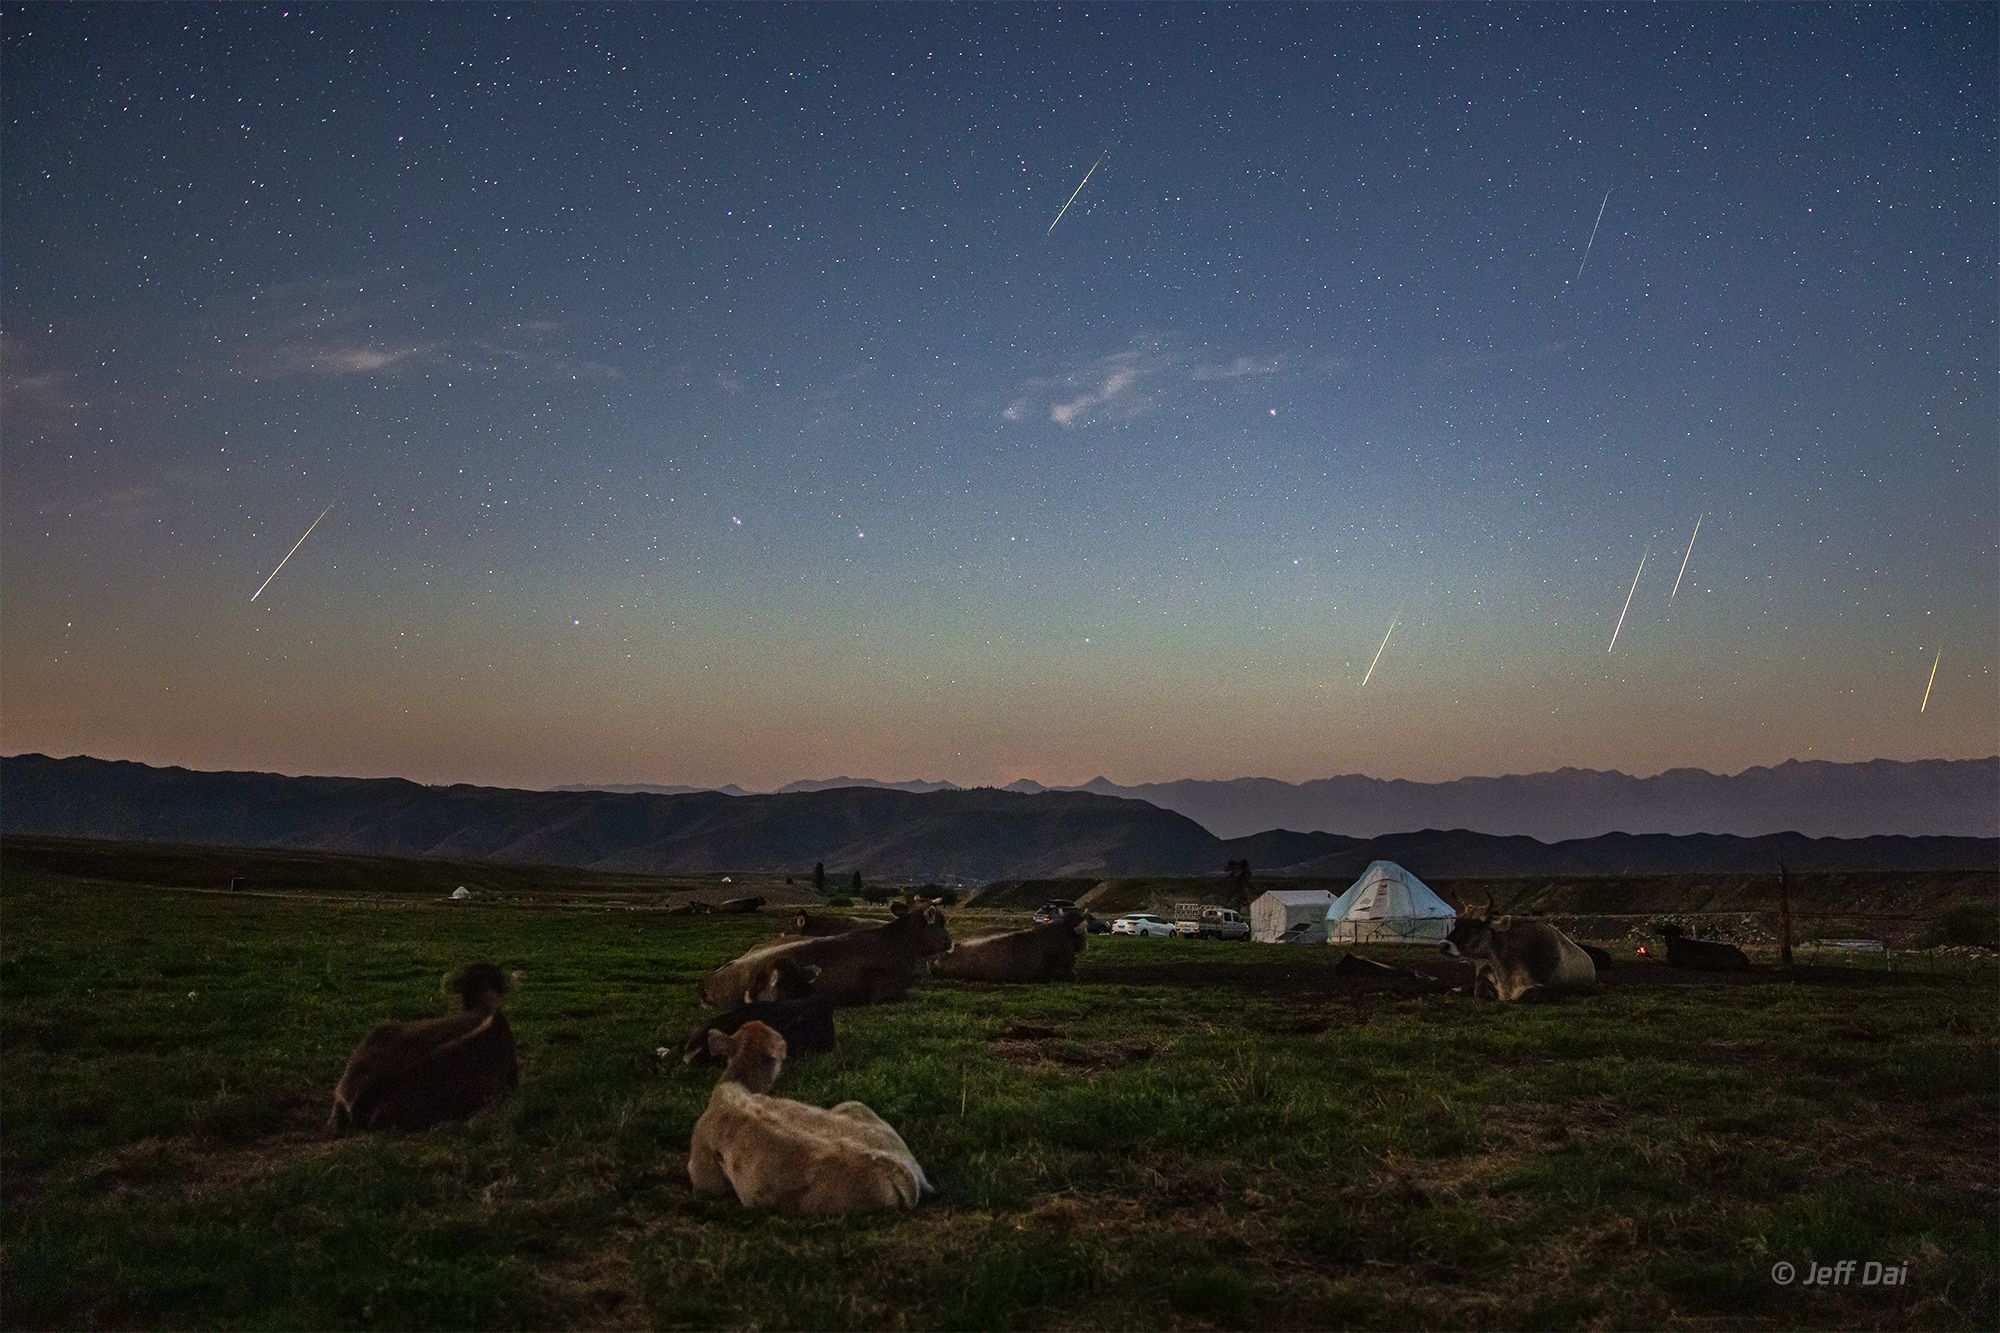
(1054, 910)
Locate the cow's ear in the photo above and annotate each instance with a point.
(1501, 922)
(721, 1045)
(799, 921)
(898, 909)
(810, 971)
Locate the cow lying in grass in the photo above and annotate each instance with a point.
(775, 1153)
(1040, 953)
(415, 1075)
(813, 925)
(870, 966)
(1515, 961)
(784, 1002)
(1684, 950)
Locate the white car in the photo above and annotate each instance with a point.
(1142, 923)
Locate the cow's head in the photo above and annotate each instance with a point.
(480, 986)
(784, 979)
(923, 918)
(1474, 937)
(754, 1053)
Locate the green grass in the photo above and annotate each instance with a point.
(1191, 1135)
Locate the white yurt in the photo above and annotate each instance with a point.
(1275, 915)
(460, 894)
(1388, 905)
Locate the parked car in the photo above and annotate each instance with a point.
(1200, 922)
(1054, 910)
(1142, 923)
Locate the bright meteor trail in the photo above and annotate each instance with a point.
(289, 554)
(1379, 651)
(1592, 241)
(1079, 188)
(1932, 681)
(1628, 600)
(1684, 559)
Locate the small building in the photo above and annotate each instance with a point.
(1388, 905)
(1295, 916)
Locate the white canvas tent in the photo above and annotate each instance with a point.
(1390, 905)
(1273, 914)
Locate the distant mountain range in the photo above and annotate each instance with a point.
(982, 834)
(1949, 797)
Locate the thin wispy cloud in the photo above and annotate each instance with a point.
(1130, 382)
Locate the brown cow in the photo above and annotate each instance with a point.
(870, 966)
(775, 1153)
(813, 925)
(415, 1075)
(1040, 953)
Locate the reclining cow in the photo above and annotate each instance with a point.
(813, 925)
(872, 966)
(775, 1153)
(784, 1002)
(1684, 950)
(419, 1074)
(1040, 953)
(1514, 961)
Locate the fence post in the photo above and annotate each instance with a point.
(1784, 917)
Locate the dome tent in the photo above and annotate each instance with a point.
(1388, 905)
(1296, 916)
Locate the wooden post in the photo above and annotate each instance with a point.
(1784, 917)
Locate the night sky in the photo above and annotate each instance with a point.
(704, 396)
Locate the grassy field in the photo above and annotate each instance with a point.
(1199, 1135)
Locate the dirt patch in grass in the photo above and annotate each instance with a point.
(194, 1168)
(1032, 1045)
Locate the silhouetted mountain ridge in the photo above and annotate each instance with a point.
(981, 834)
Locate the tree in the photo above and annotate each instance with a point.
(854, 885)
(819, 877)
(1239, 875)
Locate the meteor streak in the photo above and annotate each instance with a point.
(1079, 188)
(1932, 681)
(289, 554)
(1379, 651)
(1592, 241)
(1684, 559)
(1628, 600)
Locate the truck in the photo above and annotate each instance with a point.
(1200, 921)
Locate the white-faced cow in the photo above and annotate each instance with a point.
(424, 1073)
(786, 1156)
(872, 966)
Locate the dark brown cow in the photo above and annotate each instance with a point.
(743, 906)
(870, 966)
(415, 1075)
(1684, 950)
(784, 1002)
(1040, 953)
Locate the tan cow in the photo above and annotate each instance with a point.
(870, 966)
(415, 1075)
(777, 1154)
(1513, 961)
